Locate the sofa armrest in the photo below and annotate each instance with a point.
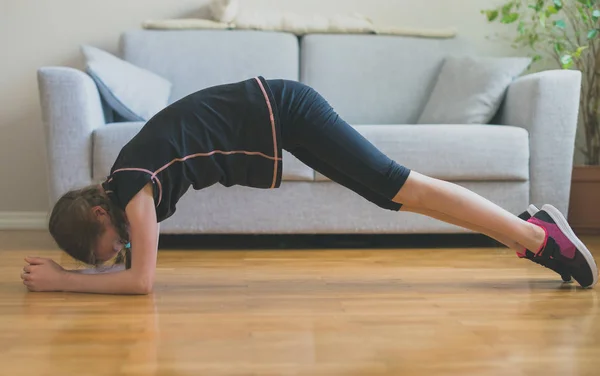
(71, 110)
(546, 104)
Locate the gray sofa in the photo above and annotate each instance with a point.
(379, 84)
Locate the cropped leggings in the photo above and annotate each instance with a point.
(315, 134)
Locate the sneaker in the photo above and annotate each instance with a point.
(562, 250)
(545, 262)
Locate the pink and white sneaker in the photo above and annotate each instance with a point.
(562, 250)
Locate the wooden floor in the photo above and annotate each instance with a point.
(307, 312)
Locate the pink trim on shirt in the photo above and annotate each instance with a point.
(272, 118)
(134, 169)
(212, 153)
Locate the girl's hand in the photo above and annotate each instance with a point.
(42, 274)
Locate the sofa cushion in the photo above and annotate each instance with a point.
(454, 152)
(134, 93)
(110, 139)
(196, 59)
(375, 79)
(469, 89)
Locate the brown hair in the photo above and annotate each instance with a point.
(75, 228)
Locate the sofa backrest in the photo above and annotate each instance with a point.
(196, 59)
(375, 79)
(368, 79)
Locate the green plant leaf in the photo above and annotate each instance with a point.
(558, 4)
(560, 24)
(521, 28)
(577, 53)
(536, 58)
(507, 8)
(596, 15)
(491, 14)
(510, 18)
(551, 10)
(566, 61)
(592, 34)
(558, 47)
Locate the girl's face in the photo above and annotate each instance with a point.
(108, 245)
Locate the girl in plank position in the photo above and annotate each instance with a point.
(234, 135)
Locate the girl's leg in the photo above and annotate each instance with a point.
(424, 193)
(448, 219)
(312, 129)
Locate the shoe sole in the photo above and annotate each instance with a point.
(563, 225)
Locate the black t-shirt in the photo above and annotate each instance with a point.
(227, 134)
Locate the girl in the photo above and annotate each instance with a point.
(234, 135)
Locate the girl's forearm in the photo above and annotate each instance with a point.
(99, 269)
(121, 282)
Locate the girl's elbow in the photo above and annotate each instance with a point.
(142, 284)
(145, 286)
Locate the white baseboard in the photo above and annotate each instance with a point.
(23, 220)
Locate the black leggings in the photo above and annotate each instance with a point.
(315, 134)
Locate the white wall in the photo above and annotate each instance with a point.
(36, 33)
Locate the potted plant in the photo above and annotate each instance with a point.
(568, 33)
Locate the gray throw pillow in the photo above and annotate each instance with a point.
(469, 90)
(134, 93)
